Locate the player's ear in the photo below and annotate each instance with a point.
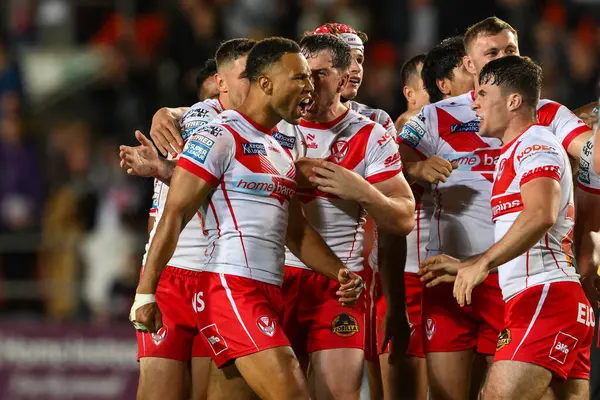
(515, 100)
(221, 84)
(266, 84)
(343, 82)
(469, 65)
(444, 86)
(408, 93)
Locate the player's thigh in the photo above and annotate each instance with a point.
(162, 379)
(449, 374)
(419, 367)
(227, 383)
(516, 380)
(337, 373)
(571, 389)
(479, 372)
(374, 377)
(274, 374)
(199, 376)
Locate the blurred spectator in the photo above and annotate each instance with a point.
(11, 85)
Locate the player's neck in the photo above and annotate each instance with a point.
(332, 113)
(255, 108)
(225, 102)
(517, 125)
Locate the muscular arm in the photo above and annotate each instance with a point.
(391, 205)
(541, 201)
(186, 195)
(577, 144)
(151, 221)
(587, 219)
(306, 244)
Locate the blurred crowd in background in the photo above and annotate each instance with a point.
(77, 77)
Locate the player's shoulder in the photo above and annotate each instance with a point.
(197, 116)
(548, 110)
(456, 102)
(539, 133)
(374, 114)
(286, 135)
(536, 141)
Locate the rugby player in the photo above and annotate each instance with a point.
(235, 168)
(548, 322)
(207, 85)
(362, 174)
(412, 88)
(164, 356)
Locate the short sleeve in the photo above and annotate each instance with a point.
(382, 158)
(416, 134)
(537, 157)
(199, 115)
(156, 197)
(386, 121)
(562, 122)
(208, 153)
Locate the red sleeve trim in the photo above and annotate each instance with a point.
(573, 134)
(198, 171)
(540, 174)
(153, 212)
(383, 176)
(588, 189)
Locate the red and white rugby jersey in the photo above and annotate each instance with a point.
(536, 153)
(376, 115)
(462, 222)
(246, 217)
(588, 180)
(418, 238)
(358, 144)
(191, 246)
(561, 121)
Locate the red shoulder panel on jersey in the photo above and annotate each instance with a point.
(198, 171)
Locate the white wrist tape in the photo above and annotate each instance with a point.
(139, 301)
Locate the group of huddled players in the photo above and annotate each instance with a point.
(254, 285)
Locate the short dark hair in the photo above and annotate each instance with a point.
(231, 50)
(266, 53)
(208, 69)
(439, 63)
(409, 69)
(341, 53)
(488, 27)
(514, 74)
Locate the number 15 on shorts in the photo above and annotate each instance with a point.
(197, 302)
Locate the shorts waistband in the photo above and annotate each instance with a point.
(176, 271)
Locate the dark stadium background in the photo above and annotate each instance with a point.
(77, 77)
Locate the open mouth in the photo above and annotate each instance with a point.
(305, 105)
(355, 80)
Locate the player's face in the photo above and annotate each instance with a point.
(421, 96)
(356, 75)
(488, 48)
(209, 89)
(461, 82)
(491, 108)
(329, 82)
(292, 87)
(237, 83)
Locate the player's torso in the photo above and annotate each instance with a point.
(462, 224)
(339, 222)
(550, 259)
(246, 217)
(191, 246)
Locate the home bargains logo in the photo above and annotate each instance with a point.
(266, 185)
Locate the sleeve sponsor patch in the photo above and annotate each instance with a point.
(412, 133)
(287, 142)
(198, 148)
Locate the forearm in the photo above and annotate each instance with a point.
(391, 258)
(306, 244)
(151, 222)
(522, 236)
(161, 250)
(165, 170)
(393, 215)
(410, 170)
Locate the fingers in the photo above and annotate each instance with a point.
(161, 143)
(459, 291)
(440, 279)
(157, 318)
(324, 172)
(142, 139)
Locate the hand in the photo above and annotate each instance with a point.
(589, 118)
(469, 275)
(591, 287)
(351, 286)
(435, 169)
(334, 179)
(141, 160)
(397, 332)
(165, 132)
(146, 317)
(596, 253)
(438, 269)
(304, 170)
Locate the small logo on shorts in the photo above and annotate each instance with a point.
(160, 336)
(504, 338)
(266, 325)
(429, 328)
(344, 325)
(563, 345)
